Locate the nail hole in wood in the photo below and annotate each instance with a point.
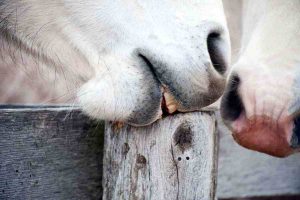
(179, 158)
(187, 158)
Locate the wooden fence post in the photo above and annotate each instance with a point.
(174, 159)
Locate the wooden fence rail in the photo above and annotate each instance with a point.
(51, 152)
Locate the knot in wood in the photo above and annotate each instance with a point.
(183, 136)
(141, 160)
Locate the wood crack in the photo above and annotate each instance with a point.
(177, 172)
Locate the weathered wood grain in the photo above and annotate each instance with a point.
(245, 173)
(56, 153)
(174, 159)
(49, 153)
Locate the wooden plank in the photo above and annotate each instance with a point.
(54, 153)
(245, 173)
(172, 159)
(49, 153)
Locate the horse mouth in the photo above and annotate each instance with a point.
(264, 134)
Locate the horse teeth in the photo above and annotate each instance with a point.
(172, 108)
(171, 102)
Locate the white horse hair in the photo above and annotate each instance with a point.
(262, 104)
(123, 59)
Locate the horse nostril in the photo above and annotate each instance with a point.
(216, 48)
(231, 105)
(295, 140)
